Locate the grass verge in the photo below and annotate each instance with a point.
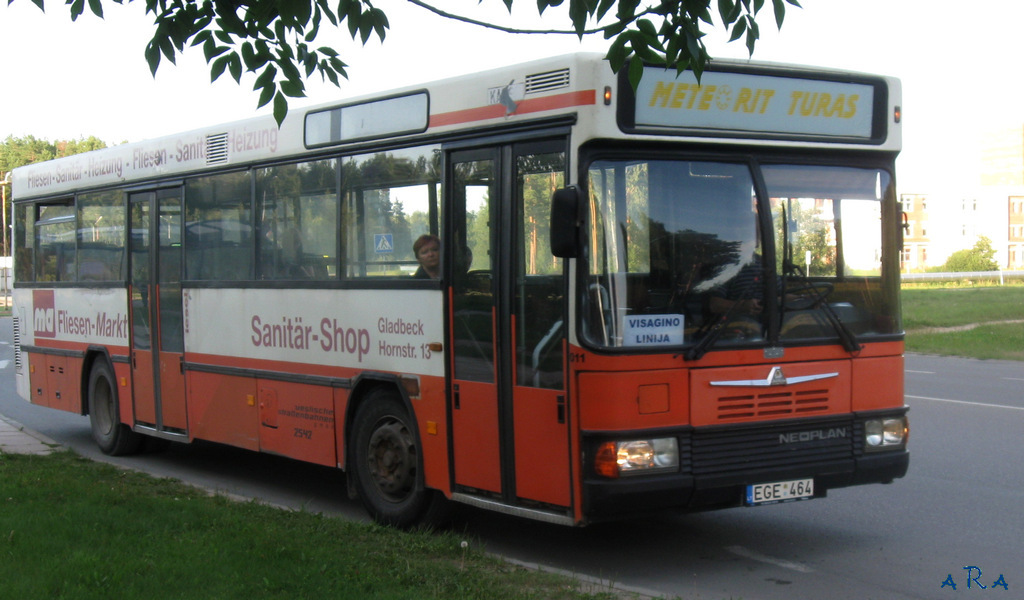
(971, 322)
(72, 528)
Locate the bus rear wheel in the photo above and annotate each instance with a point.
(112, 436)
(387, 465)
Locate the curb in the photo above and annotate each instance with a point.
(16, 439)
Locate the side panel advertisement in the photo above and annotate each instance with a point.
(388, 330)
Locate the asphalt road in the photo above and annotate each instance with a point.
(959, 506)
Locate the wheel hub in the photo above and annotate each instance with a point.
(392, 459)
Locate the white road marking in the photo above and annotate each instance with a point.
(778, 562)
(965, 402)
(920, 372)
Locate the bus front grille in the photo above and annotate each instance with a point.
(790, 444)
(773, 404)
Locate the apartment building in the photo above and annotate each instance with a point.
(939, 224)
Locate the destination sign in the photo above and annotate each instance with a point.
(739, 102)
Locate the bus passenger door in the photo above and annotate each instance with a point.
(510, 420)
(158, 388)
(474, 402)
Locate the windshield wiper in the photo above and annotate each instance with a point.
(818, 293)
(790, 270)
(701, 348)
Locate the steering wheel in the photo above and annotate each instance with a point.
(807, 295)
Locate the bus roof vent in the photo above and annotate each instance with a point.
(547, 81)
(217, 149)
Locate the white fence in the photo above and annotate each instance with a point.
(1001, 276)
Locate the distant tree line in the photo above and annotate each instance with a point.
(979, 258)
(18, 152)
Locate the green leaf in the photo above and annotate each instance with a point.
(613, 30)
(167, 48)
(303, 11)
(314, 30)
(780, 12)
(288, 68)
(542, 5)
(293, 89)
(153, 56)
(752, 36)
(212, 50)
(267, 95)
(223, 35)
(327, 10)
(280, 31)
(737, 10)
(725, 8)
(96, 7)
(636, 71)
(202, 37)
(280, 108)
(602, 8)
(380, 23)
(330, 74)
(617, 54)
(647, 28)
(339, 67)
(228, 17)
(738, 30)
(77, 7)
(309, 61)
(235, 67)
(578, 15)
(266, 80)
(627, 10)
(365, 29)
(249, 57)
(218, 66)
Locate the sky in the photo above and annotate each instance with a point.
(960, 64)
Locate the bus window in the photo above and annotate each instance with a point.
(829, 240)
(24, 234)
(298, 218)
(539, 288)
(667, 238)
(390, 199)
(218, 228)
(56, 231)
(101, 236)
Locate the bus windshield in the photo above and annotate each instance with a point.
(677, 255)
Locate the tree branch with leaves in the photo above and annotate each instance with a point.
(276, 39)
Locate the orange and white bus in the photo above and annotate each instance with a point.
(680, 296)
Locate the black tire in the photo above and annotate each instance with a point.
(387, 466)
(112, 436)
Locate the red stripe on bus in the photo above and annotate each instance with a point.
(496, 111)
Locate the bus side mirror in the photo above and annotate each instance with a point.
(565, 222)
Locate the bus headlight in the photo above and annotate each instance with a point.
(881, 434)
(635, 457)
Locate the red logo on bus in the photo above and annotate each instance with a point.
(44, 315)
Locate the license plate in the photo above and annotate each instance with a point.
(780, 491)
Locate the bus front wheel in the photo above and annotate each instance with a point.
(387, 465)
(112, 436)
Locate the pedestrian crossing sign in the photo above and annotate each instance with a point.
(383, 243)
